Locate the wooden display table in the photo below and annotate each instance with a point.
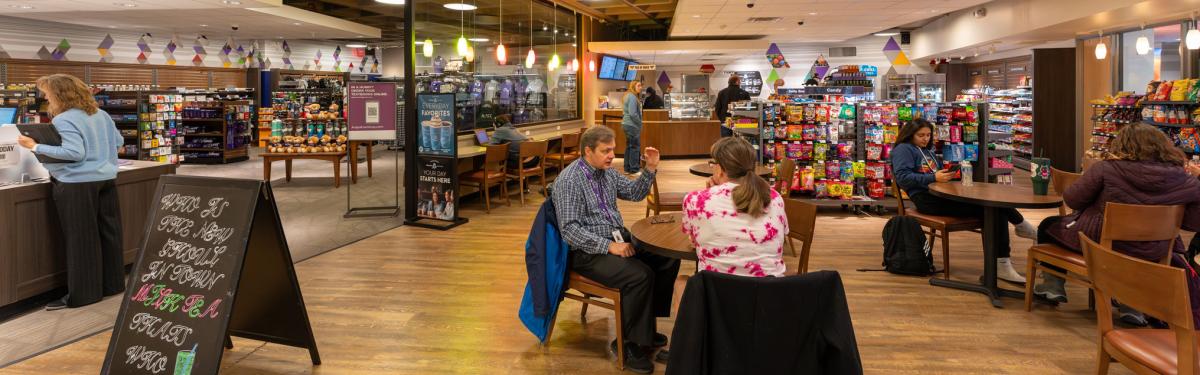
(271, 157)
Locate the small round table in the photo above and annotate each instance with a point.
(992, 197)
(666, 239)
(705, 170)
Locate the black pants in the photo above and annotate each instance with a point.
(646, 281)
(90, 216)
(933, 205)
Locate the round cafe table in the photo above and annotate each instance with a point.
(992, 197)
(705, 170)
(666, 239)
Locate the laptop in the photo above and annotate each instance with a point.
(481, 136)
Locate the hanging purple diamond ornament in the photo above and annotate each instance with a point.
(775, 57)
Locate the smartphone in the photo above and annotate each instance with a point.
(954, 168)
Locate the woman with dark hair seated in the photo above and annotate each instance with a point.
(1142, 167)
(915, 166)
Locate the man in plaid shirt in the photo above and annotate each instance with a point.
(585, 199)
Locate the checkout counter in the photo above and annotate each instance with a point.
(32, 261)
(685, 129)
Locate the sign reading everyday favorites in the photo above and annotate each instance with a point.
(205, 238)
(371, 112)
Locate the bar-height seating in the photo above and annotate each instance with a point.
(492, 173)
(521, 174)
(1155, 289)
(569, 151)
(937, 226)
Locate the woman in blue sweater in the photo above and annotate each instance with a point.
(915, 166)
(631, 123)
(84, 190)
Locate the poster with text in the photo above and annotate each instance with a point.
(435, 116)
(371, 112)
(437, 187)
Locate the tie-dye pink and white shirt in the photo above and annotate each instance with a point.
(732, 242)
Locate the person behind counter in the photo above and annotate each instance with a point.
(84, 190)
(631, 123)
(653, 100)
(728, 95)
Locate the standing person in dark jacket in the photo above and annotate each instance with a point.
(916, 166)
(1143, 167)
(730, 94)
(653, 101)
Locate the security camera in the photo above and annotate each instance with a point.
(800, 23)
(750, 4)
(234, 27)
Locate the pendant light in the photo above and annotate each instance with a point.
(531, 57)
(1101, 49)
(554, 60)
(462, 39)
(1142, 45)
(501, 53)
(575, 43)
(591, 60)
(427, 48)
(1193, 36)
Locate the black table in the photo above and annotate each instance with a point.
(705, 170)
(992, 197)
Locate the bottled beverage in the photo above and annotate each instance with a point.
(967, 174)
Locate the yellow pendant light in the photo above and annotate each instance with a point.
(427, 48)
(554, 60)
(501, 53)
(462, 46)
(531, 57)
(470, 56)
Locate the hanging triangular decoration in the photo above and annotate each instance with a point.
(664, 82)
(316, 61)
(241, 57)
(44, 54)
(144, 48)
(337, 59)
(772, 77)
(775, 57)
(169, 52)
(819, 68)
(4, 54)
(224, 55)
(900, 62)
(287, 55)
(198, 48)
(60, 51)
(105, 48)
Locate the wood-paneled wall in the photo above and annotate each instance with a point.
(999, 74)
(1054, 125)
(17, 71)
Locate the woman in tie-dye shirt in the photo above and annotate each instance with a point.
(737, 224)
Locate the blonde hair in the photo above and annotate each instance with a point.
(631, 89)
(69, 93)
(736, 156)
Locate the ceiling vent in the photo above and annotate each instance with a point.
(843, 52)
(763, 19)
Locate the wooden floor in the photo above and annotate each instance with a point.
(415, 301)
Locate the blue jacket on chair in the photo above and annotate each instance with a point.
(546, 264)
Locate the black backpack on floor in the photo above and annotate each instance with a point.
(905, 250)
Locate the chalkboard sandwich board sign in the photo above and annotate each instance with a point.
(214, 262)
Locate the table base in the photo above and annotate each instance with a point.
(987, 283)
(992, 294)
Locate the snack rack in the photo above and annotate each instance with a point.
(1011, 112)
(1107, 119)
(159, 117)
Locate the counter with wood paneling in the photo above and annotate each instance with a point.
(31, 249)
(673, 138)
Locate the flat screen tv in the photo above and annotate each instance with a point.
(631, 75)
(619, 70)
(607, 64)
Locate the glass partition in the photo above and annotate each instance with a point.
(458, 47)
(1150, 54)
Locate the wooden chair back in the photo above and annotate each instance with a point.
(495, 157)
(802, 219)
(1061, 180)
(1089, 162)
(901, 198)
(1131, 222)
(785, 173)
(570, 143)
(1155, 289)
(534, 148)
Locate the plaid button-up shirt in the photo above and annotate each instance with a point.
(585, 199)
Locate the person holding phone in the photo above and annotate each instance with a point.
(84, 190)
(915, 166)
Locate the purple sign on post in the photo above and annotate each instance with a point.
(371, 110)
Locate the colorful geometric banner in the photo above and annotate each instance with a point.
(818, 70)
(60, 52)
(316, 61)
(104, 47)
(664, 82)
(241, 57)
(772, 77)
(144, 46)
(287, 55)
(44, 54)
(337, 59)
(775, 57)
(899, 60)
(224, 55)
(198, 48)
(169, 52)
(4, 54)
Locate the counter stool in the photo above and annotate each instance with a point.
(518, 172)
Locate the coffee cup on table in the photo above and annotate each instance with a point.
(1039, 170)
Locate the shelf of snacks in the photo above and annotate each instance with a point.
(1109, 115)
(1011, 111)
(821, 139)
(159, 116)
(216, 131)
(122, 106)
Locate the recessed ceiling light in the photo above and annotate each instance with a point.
(478, 39)
(887, 33)
(231, 2)
(544, 28)
(460, 6)
(203, 25)
(297, 23)
(812, 13)
(356, 45)
(21, 6)
(933, 11)
(111, 27)
(127, 5)
(392, 2)
(695, 16)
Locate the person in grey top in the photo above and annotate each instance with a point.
(585, 198)
(507, 133)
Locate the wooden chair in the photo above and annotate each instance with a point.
(938, 226)
(785, 173)
(1041, 255)
(520, 173)
(591, 293)
(492, 173)
(1122, 222)
(568, 151)
(659, 202)
(802, 219)
(1155, 289)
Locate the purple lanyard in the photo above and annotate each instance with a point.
(599, 192)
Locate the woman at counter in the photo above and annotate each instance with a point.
(84, 190)
(631, 123)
